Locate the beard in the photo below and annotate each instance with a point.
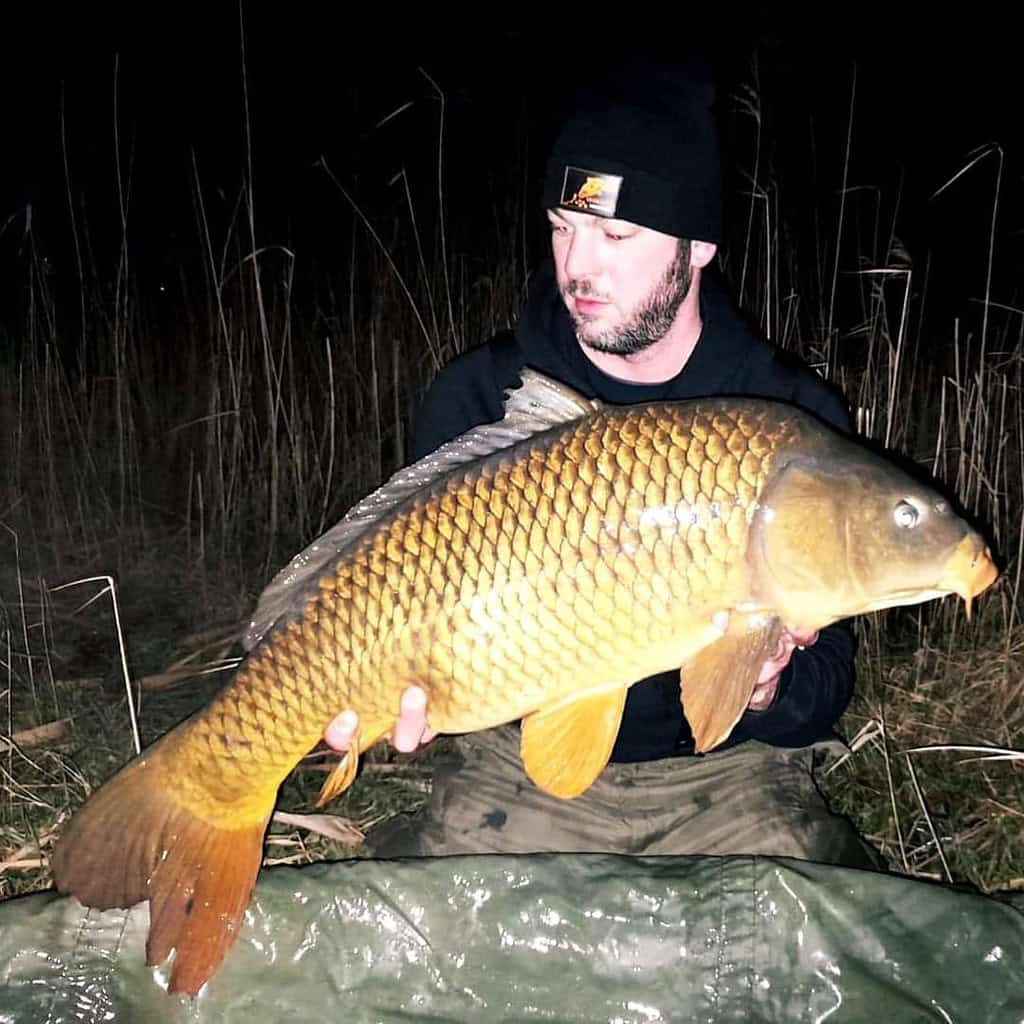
(652, 318)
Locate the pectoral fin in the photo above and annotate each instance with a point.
(565, 749)
(718, 682)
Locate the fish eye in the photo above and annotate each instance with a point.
(905, 515)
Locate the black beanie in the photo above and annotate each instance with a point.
(642, 146)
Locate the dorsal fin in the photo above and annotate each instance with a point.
(538, 405)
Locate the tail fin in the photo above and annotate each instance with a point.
(133, 840)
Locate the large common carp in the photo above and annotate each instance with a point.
(532, 569)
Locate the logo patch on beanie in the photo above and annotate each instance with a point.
(590, 191)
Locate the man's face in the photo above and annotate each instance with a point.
(623, 284)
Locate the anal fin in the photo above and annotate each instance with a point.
(718, 682)
(565, 749)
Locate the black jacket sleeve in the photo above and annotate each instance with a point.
(468, 392)
(456, 401)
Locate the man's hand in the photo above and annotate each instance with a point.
(411, 729)
(768, 679)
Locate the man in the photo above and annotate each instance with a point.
(627, 312)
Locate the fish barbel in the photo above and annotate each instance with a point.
(532, 569)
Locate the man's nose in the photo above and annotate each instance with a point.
(581, 256)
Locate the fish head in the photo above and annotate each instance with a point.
(848, 532)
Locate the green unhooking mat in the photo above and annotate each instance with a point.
(543, 938)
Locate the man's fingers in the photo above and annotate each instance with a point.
(764, 694)
(411, 728)
(801, 637)
(770, 670)
(340, 732)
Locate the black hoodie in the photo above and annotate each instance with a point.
(729, 359)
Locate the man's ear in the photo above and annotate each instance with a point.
(701, 254)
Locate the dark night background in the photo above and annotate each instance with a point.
(929, 91)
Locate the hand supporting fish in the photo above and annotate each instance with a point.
(771, 671)
(412, 731)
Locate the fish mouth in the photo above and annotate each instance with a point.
(969, 571)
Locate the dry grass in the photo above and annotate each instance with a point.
(936, 779)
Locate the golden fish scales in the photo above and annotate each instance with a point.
(498, 594)
(536, 582)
